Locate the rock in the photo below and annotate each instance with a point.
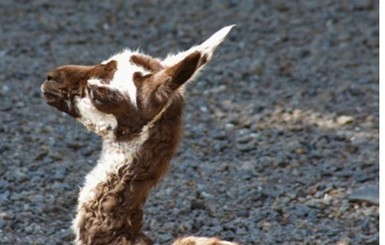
(197, 204)
(365, 194)
(246, 147)
(2, 224)
(343, 120)
(362, 4)
(243, 213)
(4, 185)
(257, 67)
(20, 176)
(244, 139)
(29, 229)
(219, 134)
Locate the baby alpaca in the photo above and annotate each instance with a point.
(135, 103)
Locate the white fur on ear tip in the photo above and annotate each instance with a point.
(217, 38)
(207, 47)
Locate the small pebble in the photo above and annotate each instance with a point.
(343, 120)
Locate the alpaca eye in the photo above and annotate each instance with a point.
(97, 101)
(95, 98)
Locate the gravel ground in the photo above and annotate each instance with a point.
(281, 130)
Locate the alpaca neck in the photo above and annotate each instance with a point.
(112, 199)
(114, 156)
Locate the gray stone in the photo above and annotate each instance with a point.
(365, 194)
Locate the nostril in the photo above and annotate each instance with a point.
(49, 77)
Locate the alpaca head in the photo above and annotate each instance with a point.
(121, 95)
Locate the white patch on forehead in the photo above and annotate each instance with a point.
(95, 120)
(123, 78)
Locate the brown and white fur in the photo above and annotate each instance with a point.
(135, 103)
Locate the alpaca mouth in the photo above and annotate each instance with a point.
(59, 102)
(50, 93)
(54, 99)
(50, 97)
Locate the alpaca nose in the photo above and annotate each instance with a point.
(50, 76)
(51, 81)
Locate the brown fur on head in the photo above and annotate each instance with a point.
(89, 92)
(119, 96)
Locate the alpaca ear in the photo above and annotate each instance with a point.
(183, 66)
(206, 49)
(169, 79)
(175, 76)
